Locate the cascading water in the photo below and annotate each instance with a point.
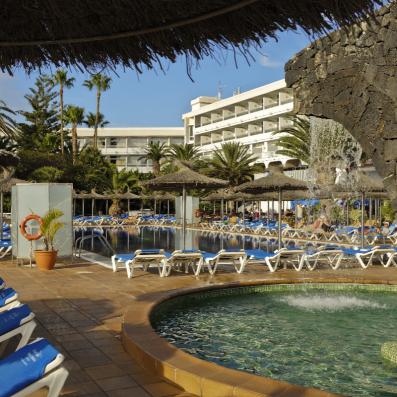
(334, 154)
(334, 158)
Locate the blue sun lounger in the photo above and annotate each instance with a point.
(8, 299)
(229, 257)
(146, 258)
(31, 368)
(284, 256)
(17, 321)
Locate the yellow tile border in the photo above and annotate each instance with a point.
(199, 377)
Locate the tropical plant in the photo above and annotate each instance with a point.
(101, 83)
(61, 79)
(124, 180)
(50, 226)
(8, 144)
(184, 152)
(42, 119)
(8, 126)
(388, 212)
(296, 140)
(155, 152)
(91, 118)
(92, 170)
(232, 162)
(75, 116)
(47, 174)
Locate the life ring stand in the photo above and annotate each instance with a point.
(23, 224)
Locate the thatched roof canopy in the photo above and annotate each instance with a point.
(272, 182)
(127, 196)
(362, 183)
(185, 177)
(133, 33)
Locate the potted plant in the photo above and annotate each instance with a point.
(45, 259)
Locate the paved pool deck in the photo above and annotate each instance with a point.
(79, 307)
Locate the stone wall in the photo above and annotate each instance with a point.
(350, 76)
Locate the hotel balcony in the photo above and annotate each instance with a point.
(245, 118)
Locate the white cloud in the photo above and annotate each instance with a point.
(270, 63)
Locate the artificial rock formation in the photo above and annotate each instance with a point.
(350, 76)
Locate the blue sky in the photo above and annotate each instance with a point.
(155, 98)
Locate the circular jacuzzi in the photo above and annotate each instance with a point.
(326, 336)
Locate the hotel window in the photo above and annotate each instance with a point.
(177, 141)
(116, 142)
(160, 140)
(101, 142)
(137, 142)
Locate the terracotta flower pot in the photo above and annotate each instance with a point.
(45, 260)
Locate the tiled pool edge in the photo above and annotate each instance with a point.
(197, 376)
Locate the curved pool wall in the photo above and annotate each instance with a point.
(203, 378)
(313, 335)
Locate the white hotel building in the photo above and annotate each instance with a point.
(125, 146)
(250, 118)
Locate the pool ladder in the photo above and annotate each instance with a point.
(78, 244)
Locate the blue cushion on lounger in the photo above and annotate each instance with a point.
(352, 251)
(233, 250)
(11, 319)
(25, 366)
(190, 251)
(208, 255)
(150, 252)
(6, 296)
(124, 257)
(258, 254)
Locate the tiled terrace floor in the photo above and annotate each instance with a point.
(79, 307)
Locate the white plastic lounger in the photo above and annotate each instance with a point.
(143, 259)
(5, 248)
(8, 299)
(331, 257)
(31, 368)
(283, 256)
(235, 258)
(17, 321)
(180, 259)
(385, 255)
(120, 259)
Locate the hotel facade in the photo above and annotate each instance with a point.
(251, 118)
(125, 146)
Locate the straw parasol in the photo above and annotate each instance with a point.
(183, 180)
(274, 181)
(363, 185)
(141, 32)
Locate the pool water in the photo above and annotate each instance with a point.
(146, 237)
(129, 240)
(311, 336)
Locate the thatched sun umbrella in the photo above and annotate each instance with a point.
(274, 181)
(128, 195)
(142, 32)
(364, 185)
(183, 180)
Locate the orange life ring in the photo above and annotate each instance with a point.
(23, 224)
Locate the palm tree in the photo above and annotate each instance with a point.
(155, 152)
(101, 83)
(232, 162)
(8, 126)
(184, 152)
(296, 143)
(74, 116)
(91, 119)
(61, 78)
(124, 180)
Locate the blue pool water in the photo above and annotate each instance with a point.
(167, 238)
(312, 336)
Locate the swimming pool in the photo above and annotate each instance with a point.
(324, 336)
(168, 238)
